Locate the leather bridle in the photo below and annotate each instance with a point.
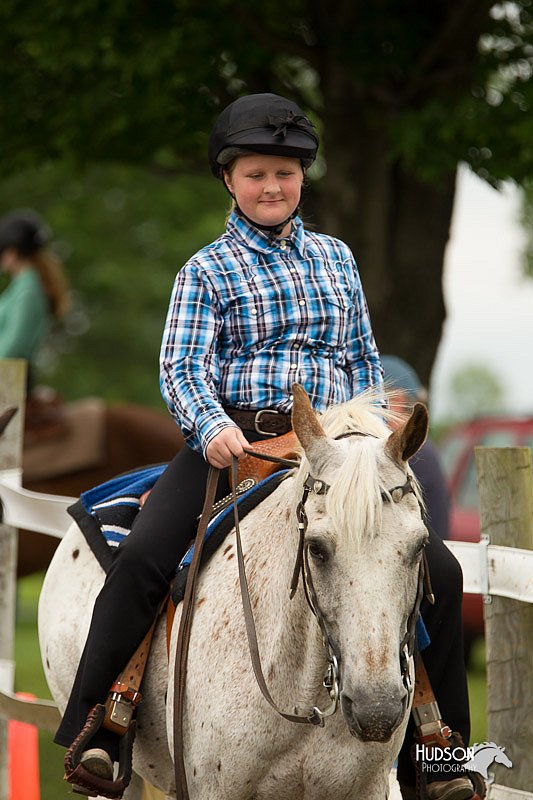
(302, 568)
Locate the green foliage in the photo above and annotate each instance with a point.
(476, 391)
(123, 233)
(400, 92)
(142, 81)
(527, 222)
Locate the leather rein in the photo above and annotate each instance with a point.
(313, 715)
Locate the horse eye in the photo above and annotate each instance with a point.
(317, 551)
(421, 546)
(397, 495)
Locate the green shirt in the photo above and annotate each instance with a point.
(24, 316)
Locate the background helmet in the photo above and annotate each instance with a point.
(261, 123)
(398, 374)
(23, 230)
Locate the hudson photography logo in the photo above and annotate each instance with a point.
(477, 758)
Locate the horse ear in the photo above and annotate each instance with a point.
(304, 420)
(6, 418)
(407, 440)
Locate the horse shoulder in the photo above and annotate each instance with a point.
(69, 590)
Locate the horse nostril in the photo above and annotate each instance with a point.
(348, 712)
(346, 702)
(373, 717)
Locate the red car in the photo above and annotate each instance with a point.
(457, 452)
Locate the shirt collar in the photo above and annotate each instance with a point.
(259, 240)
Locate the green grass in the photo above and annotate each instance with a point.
(29, 677)
(477, 689)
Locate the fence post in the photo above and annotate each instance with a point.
(12, 389)
(506, 503)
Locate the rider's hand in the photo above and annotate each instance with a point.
(230, 441)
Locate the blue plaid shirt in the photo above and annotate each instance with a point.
(250, 315)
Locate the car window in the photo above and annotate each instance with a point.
(467, 495)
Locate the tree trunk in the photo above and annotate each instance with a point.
(397, 225)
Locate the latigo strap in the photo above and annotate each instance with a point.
(429, 727)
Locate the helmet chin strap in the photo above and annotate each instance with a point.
(273, 230)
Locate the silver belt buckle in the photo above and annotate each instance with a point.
(257, 421)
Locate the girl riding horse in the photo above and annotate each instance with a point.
(266, 305)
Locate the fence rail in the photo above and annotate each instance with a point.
(33, 511)
(495, 570)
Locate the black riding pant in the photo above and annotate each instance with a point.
(139, 577)
(443, 658)
(143, 565)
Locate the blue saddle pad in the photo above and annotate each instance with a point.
(106, 513)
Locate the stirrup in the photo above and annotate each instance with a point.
(84, 781)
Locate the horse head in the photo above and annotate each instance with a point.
(363, 550)
(486, 754)
(501, 757)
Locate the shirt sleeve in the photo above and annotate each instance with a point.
(21, 325)
(189, 365)
(363, 363)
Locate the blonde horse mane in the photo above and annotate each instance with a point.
(354, 502)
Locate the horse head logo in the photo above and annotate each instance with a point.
(484, 755)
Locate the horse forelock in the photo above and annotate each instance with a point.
(364, 414)
(353, 501)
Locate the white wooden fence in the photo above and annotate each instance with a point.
(502, 574)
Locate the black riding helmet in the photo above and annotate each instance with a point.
(24, 230)
(262, 123)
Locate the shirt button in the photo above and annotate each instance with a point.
(294, 366)
(292, 269)
(254, 311)
(301, 302)
(296, 346)
(283, 244)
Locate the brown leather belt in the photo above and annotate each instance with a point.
(266, 421)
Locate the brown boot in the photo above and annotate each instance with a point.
(457, 789)
(98, 762)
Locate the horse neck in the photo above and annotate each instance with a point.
(290, 639)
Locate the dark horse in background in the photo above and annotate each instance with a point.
(116, 439)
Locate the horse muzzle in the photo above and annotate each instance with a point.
(373, 717)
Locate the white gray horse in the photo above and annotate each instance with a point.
(363, 542)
